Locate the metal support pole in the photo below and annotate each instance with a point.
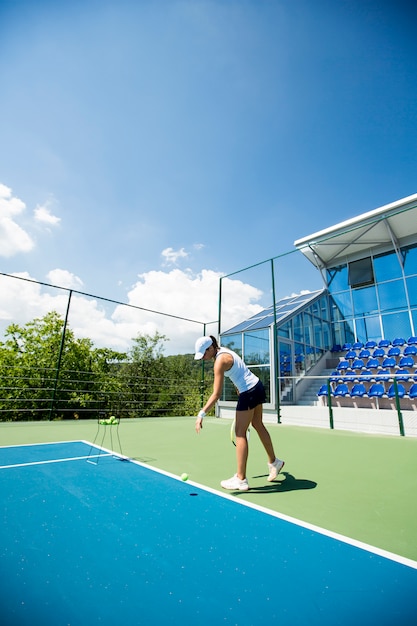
(329, 400)
(398, 407)
(276, 356)
(58, 365)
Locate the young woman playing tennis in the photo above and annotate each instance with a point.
(248, 410)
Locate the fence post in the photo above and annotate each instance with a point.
(277, 381)
(398, 407)
(329, 400)
(58, 365)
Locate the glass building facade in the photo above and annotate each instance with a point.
(367, 298)
(374, 297)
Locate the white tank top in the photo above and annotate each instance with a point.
(239, 373)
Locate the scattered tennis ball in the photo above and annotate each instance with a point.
(113, 419)
(184, 476)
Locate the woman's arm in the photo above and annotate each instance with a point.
(223, 363)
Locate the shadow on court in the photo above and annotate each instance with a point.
(288, 482)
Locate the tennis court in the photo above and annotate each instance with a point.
(91, 537)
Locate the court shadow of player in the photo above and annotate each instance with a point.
(284, 482)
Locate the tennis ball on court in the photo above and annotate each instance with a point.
(113, 419)
(184, 476)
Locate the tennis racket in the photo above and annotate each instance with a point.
(233, 432)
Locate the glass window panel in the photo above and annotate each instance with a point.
(324, 304)
(344, 332)
(308, 329)
(299, 358)
(368, 328)
(410, 261)
(315, 308)
(392, 295)
(233, 342)
(298, 327)
(396, 325)
(285, 330)
(343, 303)
(339, 334)
(412, 290)
(327, 341)
(364, 300)
(317, 332)
(387, 267)
(256, 347)
(337, 278)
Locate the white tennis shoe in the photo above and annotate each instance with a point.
(235, 484)
(274, 469)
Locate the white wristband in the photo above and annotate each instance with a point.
(201, 414)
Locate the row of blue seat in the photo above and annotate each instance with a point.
(370, 345)
(376, 390)
(394, 351)
(374, 363)
(382, 374)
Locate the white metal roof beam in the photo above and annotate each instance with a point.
(394, 242)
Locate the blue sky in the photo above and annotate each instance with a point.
(149, 147)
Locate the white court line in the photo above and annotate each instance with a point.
(75, 458)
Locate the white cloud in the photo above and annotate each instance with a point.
(172, 256)
(188, 301)
(13, 238)
(43, 214)
(63, 278)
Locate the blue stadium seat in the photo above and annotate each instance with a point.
(412, 341)
(395, 351)
(347, 346)
(350, 355)
(365, 375)
(403, 375)
(323, 391)
(358, 345)
(400, 390)
(335, 376)
(377, 390)
(372, 364)
(358, 390)
(382, 375)
(341, 390)
(398, 341)
(384, 343)
(358, 364)
(343, 365)
(379, 353)
(371, 344)
(406, 361)
(410, 350)
(412, 392)
(364, 353)
(389, 361)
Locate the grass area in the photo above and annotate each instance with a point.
(361, 486)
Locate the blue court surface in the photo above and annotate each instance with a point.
(100, 540)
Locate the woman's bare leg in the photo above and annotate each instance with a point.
(263, 434)
(243, 419)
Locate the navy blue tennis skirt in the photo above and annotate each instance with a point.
(250, 399)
